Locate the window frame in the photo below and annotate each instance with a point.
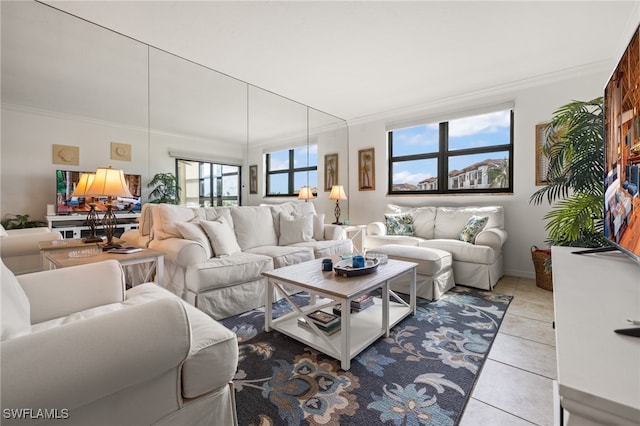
(290, 172)
(444, 154)
(214, 180)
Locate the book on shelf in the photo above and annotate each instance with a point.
(125, 250)
(357, 305)
(329, 331)
(324, 319)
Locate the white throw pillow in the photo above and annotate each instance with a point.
(194, 232)
(295, 229)
(3, 232)
(16, 311)
(254, 226)
(318, 227)
(223, 240)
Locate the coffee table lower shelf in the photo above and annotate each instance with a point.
(366, 327)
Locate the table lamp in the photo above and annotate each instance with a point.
(305, 194)
(85, 181)
(337, 193)
(110, 183)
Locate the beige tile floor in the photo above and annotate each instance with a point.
(515, 386)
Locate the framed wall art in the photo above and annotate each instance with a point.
(120, 151)
(366, 170)
(253, 179)
(66, 154)
(542, 162)
(330, 171)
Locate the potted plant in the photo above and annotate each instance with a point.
(165, 189)
(19, 221)
(574, 146)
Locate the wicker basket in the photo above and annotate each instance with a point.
(541, 257)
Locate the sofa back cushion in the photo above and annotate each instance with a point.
(16, 310)
(450, 221)
(194, 231)
(424, 219)
(165, 217)
(295, 229)
(253, 226)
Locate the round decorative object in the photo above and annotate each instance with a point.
(345, 268)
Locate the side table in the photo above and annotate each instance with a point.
(356, 234)
(153, 257)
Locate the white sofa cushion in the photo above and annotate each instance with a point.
(254, 227)
(223, 240)
(3, 232)
(295, 229)
(193, 231)
(16, 311)
(165, 217)
(424, 219)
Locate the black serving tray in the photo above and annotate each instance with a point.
(344, 268)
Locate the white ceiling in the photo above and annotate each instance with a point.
(362, 58)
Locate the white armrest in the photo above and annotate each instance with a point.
(72, 365)
(135, 238)
(182, 252)
(333, 232)
(376, 228)
(60, 292)
(20, 242)
(492, 237)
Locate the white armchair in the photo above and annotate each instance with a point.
(78, 346)
(19, 248)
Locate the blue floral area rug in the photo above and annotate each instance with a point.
(422, 374)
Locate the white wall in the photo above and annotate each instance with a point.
(533, 105)
(27, 175)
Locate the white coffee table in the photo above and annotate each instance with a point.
(358, 330)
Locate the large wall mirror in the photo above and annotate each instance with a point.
(68, 81)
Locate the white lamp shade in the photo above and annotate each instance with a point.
(85, 181)
(109, 182)
(337, 193)
(305, 193)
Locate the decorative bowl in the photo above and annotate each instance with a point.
(344, 268)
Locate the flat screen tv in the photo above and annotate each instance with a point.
(66, 181)
(622, 152)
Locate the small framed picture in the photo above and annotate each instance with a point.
(330, 171)
(66, 154)
(120, 151)
(253, 179)
(366, 169)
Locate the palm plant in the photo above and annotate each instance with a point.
(166, 188)
(498, 174)
(574, 146)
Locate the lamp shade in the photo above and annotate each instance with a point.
(85, 181)
(305, 193)
(109, 182)
(337, 193)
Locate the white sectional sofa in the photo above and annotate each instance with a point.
(19, 248)
(215, 256)
(477, 262)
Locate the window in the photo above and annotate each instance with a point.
(470, 154)
(290, 169)
(208, 184)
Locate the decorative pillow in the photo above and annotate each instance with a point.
(474, 225)
(3, 232)
(399, 224)
(194, 232)
(223, 240)
(295, 229)
(16, 311)
(318, 226)
(254, 227)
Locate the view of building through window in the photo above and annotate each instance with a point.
(466, 154)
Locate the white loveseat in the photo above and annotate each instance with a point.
(215, 256)
(476, 263)
(76, 344)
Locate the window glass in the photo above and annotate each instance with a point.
(286, 177)
(416, 140)
(480, 131)
(416, 175)
(279, 160)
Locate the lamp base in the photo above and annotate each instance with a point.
(92, 239)
(108, 246)
(337, 223)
